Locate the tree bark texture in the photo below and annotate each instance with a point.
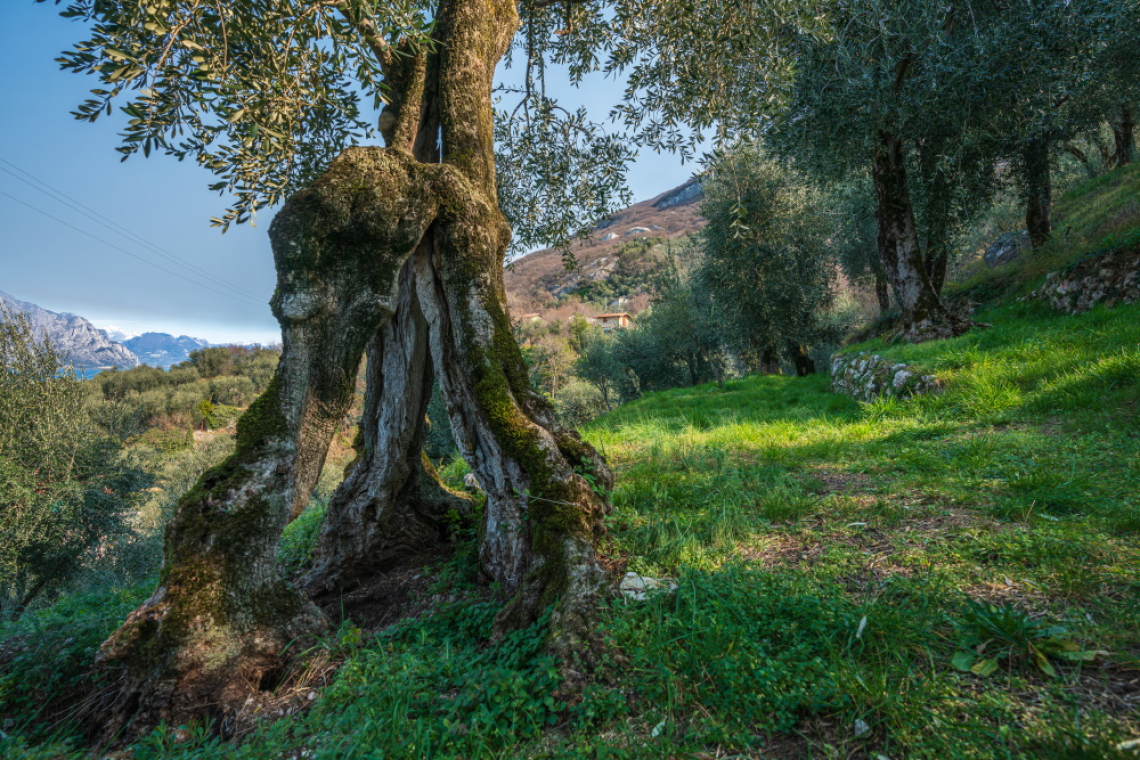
(1038, 191)
(413, 230)
(221, 614)
(882, 293)
(391, 505)
(1123, 131)
(925, 317)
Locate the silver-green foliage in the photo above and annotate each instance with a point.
(64, 491)
(265, 93)
(766, 261)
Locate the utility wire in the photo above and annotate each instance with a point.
(132, 255)
(119, 229)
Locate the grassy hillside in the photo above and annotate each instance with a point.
(954, 576)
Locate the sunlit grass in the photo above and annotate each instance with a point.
(824, 551)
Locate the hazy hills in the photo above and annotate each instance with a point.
(84, 345)
(162, 349)
(88, 347)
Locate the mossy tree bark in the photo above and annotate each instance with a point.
(925, 317)
(391, 505)
(547, 491)
(221, 614)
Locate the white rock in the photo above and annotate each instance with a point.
(471, 483)
(901, 378)
(638, 587)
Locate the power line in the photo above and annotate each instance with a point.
(119, 229)
(124, 250)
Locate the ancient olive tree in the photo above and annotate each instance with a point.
(1059, 69)
(396, 251)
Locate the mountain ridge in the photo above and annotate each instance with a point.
(79, 341)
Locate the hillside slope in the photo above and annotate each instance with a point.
(535, 279)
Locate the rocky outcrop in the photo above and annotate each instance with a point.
(1006, 248)
(865, 377)
(686, 193)
(1110, 277)
(80, 342)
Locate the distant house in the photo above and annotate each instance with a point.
(619, 320)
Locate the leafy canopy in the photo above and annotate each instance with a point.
(265, 93)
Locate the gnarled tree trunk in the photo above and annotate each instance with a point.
(391, 505)
(221, 614)
(924, 315)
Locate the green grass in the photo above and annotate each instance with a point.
(1092, 215)
(826, 552)
(838, 564)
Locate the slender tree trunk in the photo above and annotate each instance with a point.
(1038, 191)
(769, 361)
(221, 614)
(1123, 130)
(938, 249)
(709, 360)
(937, 213)
(882, 293)
(924, 315)
(804, 364)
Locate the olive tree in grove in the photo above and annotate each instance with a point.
(396, 251)
(1062, 69)
(766, 260)
(925, 96)
(844, 87)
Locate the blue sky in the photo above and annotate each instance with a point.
(160, 200)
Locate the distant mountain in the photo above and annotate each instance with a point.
(609, 255)
(116, 335)
(163, 350)
(84, 345)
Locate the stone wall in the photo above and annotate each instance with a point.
(1110, 278)
(865, 377)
